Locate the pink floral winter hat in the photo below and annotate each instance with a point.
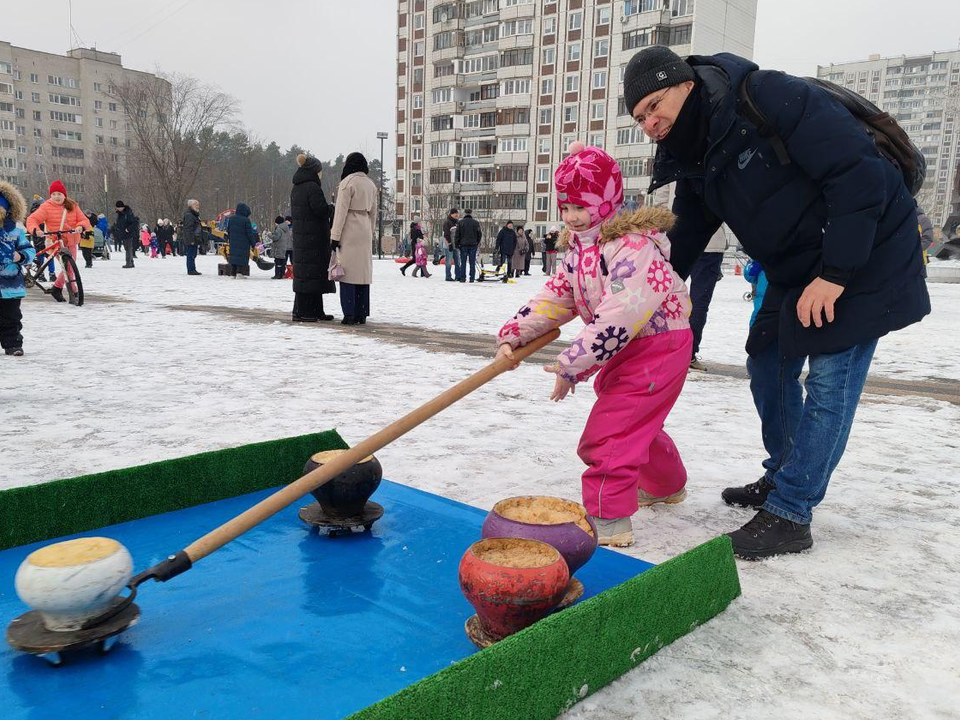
(590, 178)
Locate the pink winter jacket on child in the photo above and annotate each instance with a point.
(420, 255)
(620, 283)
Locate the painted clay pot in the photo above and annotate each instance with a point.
(73, 581)
(512, 582)
(563, 524)
(345, 495)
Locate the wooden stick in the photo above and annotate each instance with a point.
(267, 507)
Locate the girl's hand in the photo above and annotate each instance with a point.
(17, 257)
(505, 351)
(560, 386)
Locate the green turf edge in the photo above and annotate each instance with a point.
(63, 507)
(544, 670)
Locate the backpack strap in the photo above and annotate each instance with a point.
(753, 114)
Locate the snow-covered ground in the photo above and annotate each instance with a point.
(866, 625)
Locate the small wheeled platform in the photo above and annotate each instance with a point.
(315, 516)
(28, 634)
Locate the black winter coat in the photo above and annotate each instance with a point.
(241, 235)
(448, 225)
(838, 208)
(469, 233)
(311, 234)
(127, 226)
(507, 241)
(190, 230)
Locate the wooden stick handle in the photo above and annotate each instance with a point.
(269, 506)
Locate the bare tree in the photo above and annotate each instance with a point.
(175, 119)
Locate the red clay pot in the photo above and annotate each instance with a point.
(512, 582)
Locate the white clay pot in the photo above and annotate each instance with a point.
(73, 581)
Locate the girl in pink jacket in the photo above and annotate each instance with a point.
(616, 275)
(59, 213)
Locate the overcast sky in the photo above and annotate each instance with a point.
(321, 73)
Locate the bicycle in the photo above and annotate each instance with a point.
(35, 274)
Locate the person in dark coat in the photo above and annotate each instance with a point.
(416, 233)
(450, 252)
(242, 238)
(531, 248)
(833, 226)
(467, 240)
(312, 218)
(191, 235)
(506, 246)
(126, 230)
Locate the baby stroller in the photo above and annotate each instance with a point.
(499, 271)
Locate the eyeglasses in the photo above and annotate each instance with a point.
(652, 107)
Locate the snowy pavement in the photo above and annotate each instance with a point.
(866, 625)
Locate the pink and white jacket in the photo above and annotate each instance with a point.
(619, 280)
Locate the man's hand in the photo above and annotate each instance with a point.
(818, 297)
(560, 386)
(505, 351)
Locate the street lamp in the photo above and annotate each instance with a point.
(381, 136)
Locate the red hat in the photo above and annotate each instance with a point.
(57, 186)
(590, 178)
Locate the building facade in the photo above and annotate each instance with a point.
(490, 93)
(58, 120)
(923, 93)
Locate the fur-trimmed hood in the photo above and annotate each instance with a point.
(18, 205)
(644, 220)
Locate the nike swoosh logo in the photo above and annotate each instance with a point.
(745, 158)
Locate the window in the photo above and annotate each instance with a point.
(597, 110)
(599, 79)
(444, 40)
(634, 7)
(512, 144)
(543, 146)
(482, 36)
(417, 153)
(418, 21)
(439, 149)
(543, 175)
(546, 86)
(35, 97)
(21, 149)
(418, 100)
(550, 25)
(440, 95)
(99, 122)
(64, 100)
(418, 127)
(681, 34)
(65, 117)
(681, 8)
(549, 55)
(418, 75)
(113, 124)
(520, 56)
(37, 116)
(18, 94)
(7, 125)
(603, 15)
(515, 87)
(546, 116)
(39, 150)
(596, 140)
(601, 48)
(112, 107)
(6, 88)
(572, 83)
(34, 78)
(511, 173)
(6, 107)
(37, 132)
(569, 113)
(471, 121)
(516, 27)
(575, 20)
(470, 149)
(71, 135)
(98, 87)
(480, 63)
(629, 136)
(415, 179)
(543, 203)
(97, 105)
(6, 68)
(573, 51)
(418, 48)
(441, 122)
(513, 3)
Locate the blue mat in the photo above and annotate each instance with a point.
(282, 623)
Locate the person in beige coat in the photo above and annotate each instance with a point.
(352, 237)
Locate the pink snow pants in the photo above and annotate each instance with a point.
(623, 444)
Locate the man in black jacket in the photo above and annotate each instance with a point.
(833, 226)
(126, 230)
(469, 235)
(450, 254)
(192, 235)
(506, 245)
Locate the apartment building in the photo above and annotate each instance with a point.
(57, 120)
(490, 93)
(923, 93)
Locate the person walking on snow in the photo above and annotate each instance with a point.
(125, 231)
(191, 231)
(810, 197)
(282, 247)
(616, 276)
(60, 213)
(420, 258)
(416, 233)
(16, 255)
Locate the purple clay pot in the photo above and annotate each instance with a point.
(540, 517)
(346, 495)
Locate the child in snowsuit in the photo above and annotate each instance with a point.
(59, 213)
(420, 258)
(616, 275)
(16, 253)
(154, 245)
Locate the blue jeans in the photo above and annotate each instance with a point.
(451, 261)
(468, 254)
(805, 437)
(191, 258)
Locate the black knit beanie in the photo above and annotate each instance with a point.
(652, 69)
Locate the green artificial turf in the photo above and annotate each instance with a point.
(547, 668)
(64, 507)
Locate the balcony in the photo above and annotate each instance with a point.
(446, 81)
(515, 71)
(512, 158)
(515, 41)
(517, 11)
(450, 53)
(484, 160)
(474, 133)
(441, 135)
(641, 20)
(522, 129)
(502, 186)
(447, 161)
(512, 101)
